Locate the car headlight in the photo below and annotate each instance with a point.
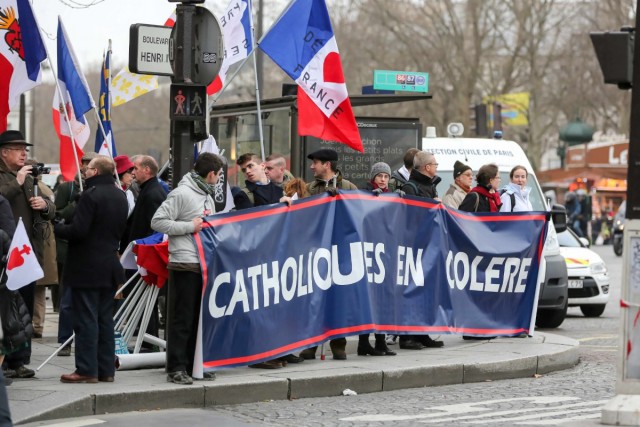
(598, 268)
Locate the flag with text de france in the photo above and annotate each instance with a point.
(238, 42)
(75, 99)
(21, 53)
(302, 43)
(22, 265)
(108, 147)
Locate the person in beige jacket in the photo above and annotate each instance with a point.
(462, 180)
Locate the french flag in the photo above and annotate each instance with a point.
(21, 52)
(238, 41)
(73, 97)
(302, 43)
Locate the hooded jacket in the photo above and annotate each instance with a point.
(523, 204)
(175, 217)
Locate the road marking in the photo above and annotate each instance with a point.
(466, 408)
(497, 416)
(563, 420)
(562, 410)
(78, 423)
(603, 337)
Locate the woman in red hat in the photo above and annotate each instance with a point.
(124, 167)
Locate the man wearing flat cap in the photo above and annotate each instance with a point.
(17, 184)
(324, 164)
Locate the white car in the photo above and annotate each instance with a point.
(588, 275)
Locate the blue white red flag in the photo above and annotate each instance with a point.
(302, 43)
(21, 53)
(238, 41)
(108, 147)
(74, 97)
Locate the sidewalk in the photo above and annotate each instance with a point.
(45, 397)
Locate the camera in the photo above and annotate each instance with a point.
(40, 169)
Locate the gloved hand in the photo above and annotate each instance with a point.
(332, 191)
(401, 193)
(376, 191)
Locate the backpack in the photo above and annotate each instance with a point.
(511, 196)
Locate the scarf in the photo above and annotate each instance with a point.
(375, 186)
(465, 188)
(493, 198)
(202, 184)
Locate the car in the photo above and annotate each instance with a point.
(588, 274)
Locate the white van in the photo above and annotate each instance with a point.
(475, 152)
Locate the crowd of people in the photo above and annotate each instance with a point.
(79, 232)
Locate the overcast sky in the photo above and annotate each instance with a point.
(90, 28)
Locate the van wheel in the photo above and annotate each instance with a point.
(551, 318)
(593, 310)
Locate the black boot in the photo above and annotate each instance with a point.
(364, 348)
(339, 348)
(427, 341)
(381, 345)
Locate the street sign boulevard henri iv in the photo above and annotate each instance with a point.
(149, 49)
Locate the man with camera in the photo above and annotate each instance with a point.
(17, 184)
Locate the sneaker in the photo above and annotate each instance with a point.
(24, 372)
(180, 377)
(65, 351)
(37, 335)
(391, 339)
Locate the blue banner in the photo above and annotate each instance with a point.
(279, 279)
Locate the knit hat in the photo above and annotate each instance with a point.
(380, 167)
(459, 168)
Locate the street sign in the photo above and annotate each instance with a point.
(188, 102)
(400, 80)
(208, 45)
(149, 49)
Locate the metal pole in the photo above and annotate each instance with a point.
(623, 408)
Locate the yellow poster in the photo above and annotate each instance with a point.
(515, 108)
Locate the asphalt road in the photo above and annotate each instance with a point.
(571, 397)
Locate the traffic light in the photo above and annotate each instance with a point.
(497, 117)
(479, 120)
(614, 50)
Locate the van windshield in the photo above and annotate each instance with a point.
(535, 196)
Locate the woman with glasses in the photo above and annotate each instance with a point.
(484, 197)
(515, 196)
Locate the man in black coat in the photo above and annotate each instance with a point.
(422, 183)
(151, 196)
(94, 271)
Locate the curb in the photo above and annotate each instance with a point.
(554, 353)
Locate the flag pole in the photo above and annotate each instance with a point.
(237, 70)
(255, 72)
(64, 106)
(93, 104)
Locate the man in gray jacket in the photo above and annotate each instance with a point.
(179, 217)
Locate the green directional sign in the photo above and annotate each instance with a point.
(400, 80)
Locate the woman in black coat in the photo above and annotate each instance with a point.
(484, 197)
